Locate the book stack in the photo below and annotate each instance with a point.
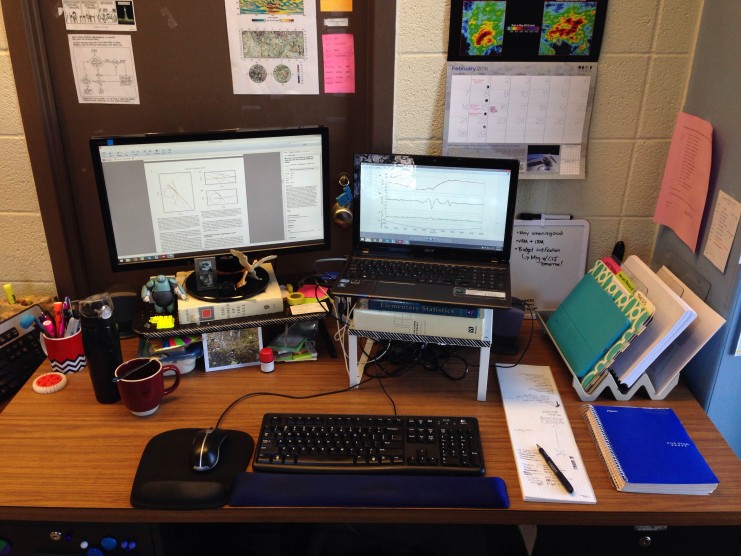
(647, 449)
(626, 321)
(391, 319)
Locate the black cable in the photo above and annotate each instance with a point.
(291, 397)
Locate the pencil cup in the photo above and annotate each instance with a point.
(66, 354)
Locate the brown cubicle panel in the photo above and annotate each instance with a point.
(184, 79)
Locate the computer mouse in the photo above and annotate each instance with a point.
(206, 448)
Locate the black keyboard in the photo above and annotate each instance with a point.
(485, 277)
(20, 352)
(392, 444)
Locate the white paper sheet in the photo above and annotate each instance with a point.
(536, 416)
(103, 68)
(273, 47)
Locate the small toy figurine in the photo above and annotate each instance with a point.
(161, 291)
(249, 269)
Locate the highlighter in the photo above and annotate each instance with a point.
(9, 293)
(58, 319)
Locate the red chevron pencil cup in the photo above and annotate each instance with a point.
(66, 354)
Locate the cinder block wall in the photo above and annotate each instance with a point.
(643, 72)
(23, 249)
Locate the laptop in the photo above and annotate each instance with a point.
(453, 215)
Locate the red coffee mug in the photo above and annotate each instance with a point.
(142, 386)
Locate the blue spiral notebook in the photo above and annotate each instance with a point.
(647, 449)
(586, 325)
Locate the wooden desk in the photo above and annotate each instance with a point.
(66, 457)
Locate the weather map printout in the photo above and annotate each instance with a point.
(568, 28)
(526, 30)
(535, 112)
(273, 46)
(482, 27)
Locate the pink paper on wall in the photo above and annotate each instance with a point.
(339, 63)
(684, 189)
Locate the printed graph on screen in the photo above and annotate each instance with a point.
(441, 204)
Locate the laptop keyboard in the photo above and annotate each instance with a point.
(488, 278)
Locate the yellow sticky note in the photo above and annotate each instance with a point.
(335, 5)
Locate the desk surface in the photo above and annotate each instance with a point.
(68, 457)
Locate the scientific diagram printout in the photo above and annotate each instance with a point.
(273, 46)
(103, 68)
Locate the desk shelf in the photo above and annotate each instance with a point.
(144, 328)
(357, 364)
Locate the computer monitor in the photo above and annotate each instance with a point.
(170, 198)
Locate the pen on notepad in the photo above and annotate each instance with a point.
(560, 476)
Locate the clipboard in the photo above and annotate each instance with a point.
(548, 259)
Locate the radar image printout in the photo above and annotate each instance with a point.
(567, 29)
(482, 28)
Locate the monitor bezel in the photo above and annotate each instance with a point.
(216, 135)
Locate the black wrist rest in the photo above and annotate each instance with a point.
(393, 491)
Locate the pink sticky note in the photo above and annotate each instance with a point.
(339, 63)
(684, 188)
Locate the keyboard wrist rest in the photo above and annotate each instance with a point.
(393, 491)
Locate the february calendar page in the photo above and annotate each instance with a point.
(538, 113)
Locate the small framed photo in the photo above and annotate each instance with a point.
(205, 271)
(231, 349)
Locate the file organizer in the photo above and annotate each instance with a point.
(608, 383)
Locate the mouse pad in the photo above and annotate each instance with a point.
(165, 480)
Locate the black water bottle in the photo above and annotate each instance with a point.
(102, 345)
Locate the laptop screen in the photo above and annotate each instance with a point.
(435, 206)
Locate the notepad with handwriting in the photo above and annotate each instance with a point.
(647, 449)
(536, 416)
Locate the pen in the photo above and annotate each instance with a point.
(539, 216)
(560, 476)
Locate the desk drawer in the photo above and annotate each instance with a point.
(628, 541)
(52, 539)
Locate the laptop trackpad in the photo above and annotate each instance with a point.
(394, 289)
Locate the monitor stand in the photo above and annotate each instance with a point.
(226, 290)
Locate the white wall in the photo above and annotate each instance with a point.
(643, 72)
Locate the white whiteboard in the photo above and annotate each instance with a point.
(548, 259)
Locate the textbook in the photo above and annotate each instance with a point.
(647, 449)
(586, 325)
(415, 307)
(420, 324)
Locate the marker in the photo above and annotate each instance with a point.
(48, 328)
(59, 318)
(539, 216)
(560, 476)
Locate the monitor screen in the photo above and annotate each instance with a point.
(446, 205)
(167, 198)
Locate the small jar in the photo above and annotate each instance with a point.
(267, 360)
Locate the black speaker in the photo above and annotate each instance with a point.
(506, 328)
(125, 302)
